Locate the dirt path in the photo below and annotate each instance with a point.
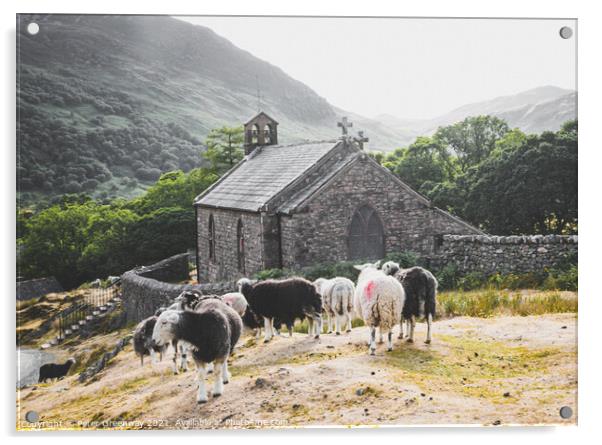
(504, 370)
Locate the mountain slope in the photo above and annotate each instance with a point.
(533, 111)
(107, 103)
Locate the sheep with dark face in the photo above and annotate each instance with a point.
(54, 370)
(143, 340)
(420, 287)
(212, 330)
(187, 300)
(250, 319)
(378, 300)
(285, 300)
(337, 300)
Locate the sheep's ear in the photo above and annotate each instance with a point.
(377, 264)
(359, 266)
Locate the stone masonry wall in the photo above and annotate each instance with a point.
(225, 265)
(504, 254)
(319, 233)
(143, 293)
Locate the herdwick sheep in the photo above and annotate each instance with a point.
(55, 371)
(420, 287)
(212, 330)
(285, 300)
(143, 340)
(187, 300)
(379, 299)
(337, 300)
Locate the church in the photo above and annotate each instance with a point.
(291, 206)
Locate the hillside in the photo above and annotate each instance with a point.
(533, 111)
(107, 103)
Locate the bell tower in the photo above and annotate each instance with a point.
(259, 131)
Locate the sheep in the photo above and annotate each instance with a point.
(212, 330)
(337, 300)
(236, 301)
(284, 300)
(420, 287)
(187, 300)
(54, 370)
(143, 342)
(390, 268)
(96, 284)
(379, 299)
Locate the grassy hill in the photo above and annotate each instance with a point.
(107, 103)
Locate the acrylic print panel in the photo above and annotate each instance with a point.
(417, 176)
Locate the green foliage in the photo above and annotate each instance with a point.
(499, 179)
(78, 239)
(224, 148)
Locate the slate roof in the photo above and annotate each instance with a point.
(263, 174)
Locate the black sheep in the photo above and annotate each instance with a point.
(420, 287)
(143, 340)
(284, 300)
(55, 371)
(211, 330)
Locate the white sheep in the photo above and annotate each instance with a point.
(337, 300)
(378, 300)
(236, 301)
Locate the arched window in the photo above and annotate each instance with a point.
(211, 235)
(366, 235)
(267, 134)
(255, 134)
(240, 246)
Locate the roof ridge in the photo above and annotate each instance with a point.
(306, 142)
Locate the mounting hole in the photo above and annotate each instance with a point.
(32, 416)
(566, 412)
(33, 28)
(566, 32)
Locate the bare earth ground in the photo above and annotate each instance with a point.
(502, 370)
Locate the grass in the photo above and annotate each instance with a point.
(491, 302)
(476, 368)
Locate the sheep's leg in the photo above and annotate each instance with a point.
(209, 367)
(226, 376)
(141, 359)
(348, 322)
(329, 323)
(429, 322)
(408, 323)
(289, 328)
(390, 341)
(412, 326)
(372, 340)
(401, 328)
(380, 335)
(175, 357)
(218, 384)
(184, 358)
(153, 357)
(201, 396)
(267, 322)
(310, 326)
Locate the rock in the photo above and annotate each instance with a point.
(360, 392)
(564, 327)
(497, 422)
(506, 394)
(260, 383)
(372, 373)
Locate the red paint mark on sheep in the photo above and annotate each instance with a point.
(369, 289)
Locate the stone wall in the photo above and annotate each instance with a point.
(26, 290)
(144, 291)
(504, 254)
(319, 233)
(225, 264)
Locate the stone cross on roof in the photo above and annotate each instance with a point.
(344, 125)
(360, 139)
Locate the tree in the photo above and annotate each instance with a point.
(473, 139)
(224, 148)
(426, 161)
(528, 185)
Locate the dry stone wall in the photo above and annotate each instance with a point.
(504, 254)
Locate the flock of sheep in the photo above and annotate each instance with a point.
(208, 327)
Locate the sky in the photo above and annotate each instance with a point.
(408, 68)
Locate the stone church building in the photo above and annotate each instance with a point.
(290, 206)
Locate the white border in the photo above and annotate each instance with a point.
(590, 77)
